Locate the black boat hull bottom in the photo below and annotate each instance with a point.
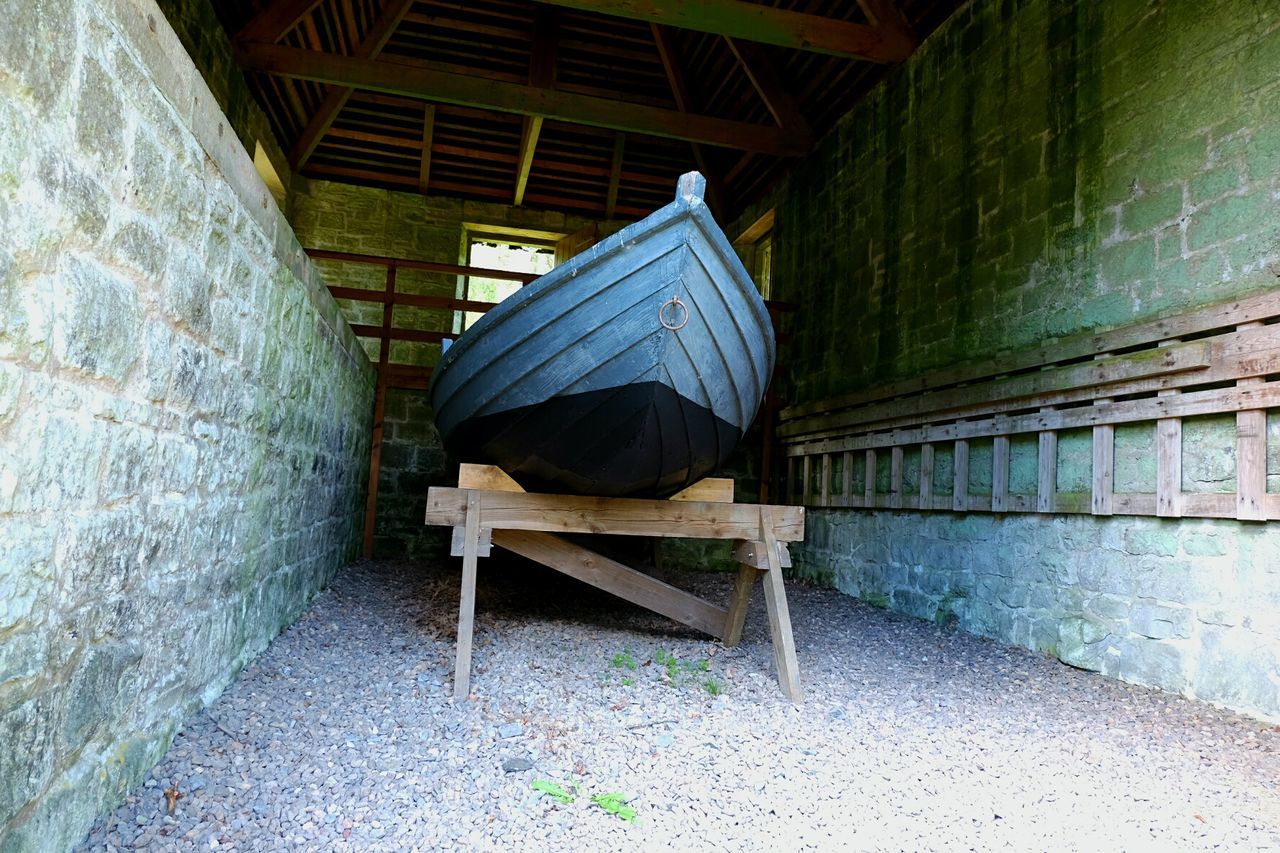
(642, 439)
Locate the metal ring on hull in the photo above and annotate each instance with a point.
(671, 325)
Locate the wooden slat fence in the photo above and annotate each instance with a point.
(1223, 359)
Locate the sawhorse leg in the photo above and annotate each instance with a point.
(768, 564)
(467, 605)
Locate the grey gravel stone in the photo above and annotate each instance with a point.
(910, 736)
(516, 765)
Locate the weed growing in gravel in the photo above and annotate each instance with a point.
(554, 790)
(679, 671)
(628, 681)
(715, 686)
(624, 660)
(615, 804)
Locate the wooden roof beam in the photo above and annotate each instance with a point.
(276, 19)
(428, 134)
(542, 75)
(335, 99)
(882, 41)
(443, 87)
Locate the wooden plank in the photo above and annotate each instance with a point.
(926, 476)
(1051, 385)
(275, 19)
(542, 75)
(398, 334)
(467, 599)
(486, 478)
(612, 577)
(806, 483)
(1000, 473)
(1221, 315)
(775, 597)
(960, 477)
(1187, 404)
(763, 24)
(335, 99)
(528, 145)
(409, 376)
(895, 478)
(425, 266)
(444, 303)
(428, 134)
(448, 88)
(624, 516)
(615, 175)
(738, 604)
(712, 489)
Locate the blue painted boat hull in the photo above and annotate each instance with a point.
(631, 369)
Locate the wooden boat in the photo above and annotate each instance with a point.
(633, 368)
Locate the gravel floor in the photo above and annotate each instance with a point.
(342, 736)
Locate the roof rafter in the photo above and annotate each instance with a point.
(276, 19)
(882, 41)
(763, 75)
(680, 92)
(335, 99)
(443, 87)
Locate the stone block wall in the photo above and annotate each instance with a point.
(184, 414)
(1038, 169)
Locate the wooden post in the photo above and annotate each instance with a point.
(775, 597)
(1047, 469)
(846, 479)
(379, 411)
(1104, 462)
(824, 485)
(1168, 459)
(926, 476)
(1251, 454)
(467, 603)
(1000, 473)
(895, 477)
(869, 481)
(960, 480)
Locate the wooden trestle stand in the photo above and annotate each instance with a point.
(489, 508)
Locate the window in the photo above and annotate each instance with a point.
(755, 247)
(490, 249)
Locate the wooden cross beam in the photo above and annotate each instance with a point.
(276, 19)
(450, 88)
(884, 40)
(680, 93)
(542, 74)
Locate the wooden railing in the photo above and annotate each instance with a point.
(1216, 360)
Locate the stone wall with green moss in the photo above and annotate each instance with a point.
(1037, 169)
(184, 414)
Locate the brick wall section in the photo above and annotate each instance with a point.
(183, 412)
(1041, 168)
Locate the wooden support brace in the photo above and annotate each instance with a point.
(1251, 454)
(615, 578)
(846, 479)
(741, 598)
(869, 480)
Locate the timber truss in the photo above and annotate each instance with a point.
(588, 106)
